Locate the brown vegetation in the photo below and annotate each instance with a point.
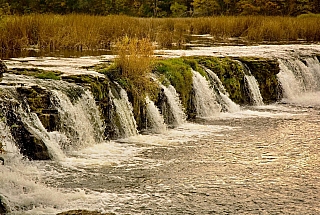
(83, 32)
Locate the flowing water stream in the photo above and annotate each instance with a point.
(253, 160)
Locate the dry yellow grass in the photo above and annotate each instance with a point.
(79, 31)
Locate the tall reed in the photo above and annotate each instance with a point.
(80, 31)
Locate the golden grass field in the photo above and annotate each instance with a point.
(87, 32)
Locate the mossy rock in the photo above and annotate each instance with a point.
(231, 75)
(137, 88)
(37, 73)
(265, 71)
(39, 101)
(29, 143)
(177, 72)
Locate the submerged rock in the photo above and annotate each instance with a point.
(3, 207)
(83, 212)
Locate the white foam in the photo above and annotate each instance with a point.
(103, 154)
(181, 134)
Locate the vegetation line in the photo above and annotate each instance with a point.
(89, 32)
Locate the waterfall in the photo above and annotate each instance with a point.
(7, 141)
(223, 97)
(172, 109)
(205, 98)
(254, 90)
(155, 122)
(80, 121)
(125, 121)
(300, 79)
(313, 65)
(22, 117)
(33, 123)
(252, 86)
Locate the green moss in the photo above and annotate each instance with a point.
(178, 72)
(98, 86)
(37, 97)
(38, 73)
(230, 73)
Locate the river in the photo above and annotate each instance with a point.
(257, 160)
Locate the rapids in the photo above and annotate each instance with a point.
(260, 159)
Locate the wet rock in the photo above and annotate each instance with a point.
(3, 207)
(29, 143)
(83, 212)
(3, 69)
(40, 102)
(231, 74)
(265, 71)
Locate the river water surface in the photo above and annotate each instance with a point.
(258, 161)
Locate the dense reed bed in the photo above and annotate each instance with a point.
(85, 32)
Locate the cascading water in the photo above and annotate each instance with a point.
(300, 79)
(254, 90)
(223, 97)
(127, 124)
(155, 122)
(172, 109)
(29, 121)
(80, 121)
(252, 86)
(205, 98)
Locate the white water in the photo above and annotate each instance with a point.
(229, 105)
(300, 82)
(81, 121)
(7, 139)
(176, 108)
(254, 90)
(155, 122)
(205, 99)
(125, 112)
(252, 86)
